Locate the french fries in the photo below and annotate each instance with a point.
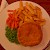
(21, 16)
(33, 7)
(21, 4)
(28, 7)
(25, 9)
(20, 23)
(40, 23)
(27, 20)
(39, 13)
(29, 13)
(19, 11)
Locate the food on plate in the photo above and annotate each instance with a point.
(21, 4)
(29, 34)
(29, 8)
(27, 21)
(28, 11)
(12, 22)
(38, 11)
(11, 35)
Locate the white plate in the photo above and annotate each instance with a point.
(11, 46)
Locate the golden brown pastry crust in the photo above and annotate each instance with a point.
(29, 34)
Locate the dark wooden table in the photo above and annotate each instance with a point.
(44, 3)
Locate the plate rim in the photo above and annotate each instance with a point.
(24, 1)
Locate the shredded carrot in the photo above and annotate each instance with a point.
(10, 10)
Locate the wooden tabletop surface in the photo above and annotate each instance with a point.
(44, 3)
